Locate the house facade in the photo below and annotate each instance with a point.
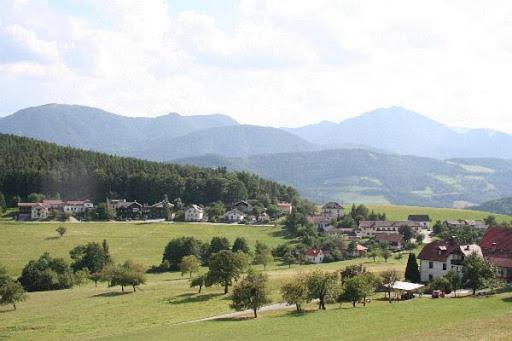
(129, 210)
(77, 207)
(234, 216)
(194, 213)
(441, 256)
(369, 228)
(314, 256)
(496, 246)
(395, 242)
(332, 211)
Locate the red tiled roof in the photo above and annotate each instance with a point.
(438, 250)
(284, 205)
(313, 252)
(501, 262)
(502, 240)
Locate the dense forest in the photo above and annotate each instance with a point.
(31, 166)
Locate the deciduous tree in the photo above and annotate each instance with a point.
(251, 292)
(12, 293)
(224, 267)
(189, 264)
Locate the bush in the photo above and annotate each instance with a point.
(46, 273)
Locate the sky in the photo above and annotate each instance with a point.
(274, 63)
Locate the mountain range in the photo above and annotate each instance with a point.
(357, 175)
(387, 155)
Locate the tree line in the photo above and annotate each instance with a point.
(31, 166)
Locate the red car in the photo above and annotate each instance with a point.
(437, 294)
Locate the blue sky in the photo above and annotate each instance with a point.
(279, 63)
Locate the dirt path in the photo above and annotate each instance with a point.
(271, 307)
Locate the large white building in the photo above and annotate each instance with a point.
(441, 256)
(194, 213)
(77, 207)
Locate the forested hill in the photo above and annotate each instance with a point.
(28, 166)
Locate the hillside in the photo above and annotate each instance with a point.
(371, 177)
(96, 129)
(28, 165)
(403, 131)
(232, 141)
(499, 206)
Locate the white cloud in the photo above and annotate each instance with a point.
(284, 62)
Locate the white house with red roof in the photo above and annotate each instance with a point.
(441, 256)
(285, 208)
(314, 256)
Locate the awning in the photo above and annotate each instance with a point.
(398, 285)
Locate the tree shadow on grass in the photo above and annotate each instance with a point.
(112, 294)
(192, 298)
(233, 319)
(281, 234)
(52, 238)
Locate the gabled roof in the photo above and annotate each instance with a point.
(497, 242)
(439, 250)
(390, 238)
(195, 207)
(418, 217)
(313, 252)
(332, 205)
(126, 204)
(32, 204)
(52, 202)
(316, 219)
(361, 248)
(234, 211)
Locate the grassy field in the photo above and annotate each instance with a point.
(21, 242)
(394, 212)
(164, 306)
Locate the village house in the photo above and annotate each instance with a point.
(461, 223)
(194, 213)
(422, 219)
(234, 216)
(314, 256)
(441, 256)
(157, 210)
(395, 242)
(77, 207)
(496, 246)
(285, 208)
(33, 211)
(369, 228)
(128, 210)
(319, 221)
(332, 211)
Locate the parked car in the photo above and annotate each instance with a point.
(437, 294)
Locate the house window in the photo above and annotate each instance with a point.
(430, 265)
(444, 266)
(430, 277)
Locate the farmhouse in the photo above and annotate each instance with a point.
(243, 206)
(285, 208)
(369, 228)
(332, 211)
(496, 246)
(314, 256)
(395, 242)
(440, 256)
(461, 223)
(319, 221)
(194, 213)
(421, 219)
(128, 210)
(234, 216)
(77, 207)
(33, 211)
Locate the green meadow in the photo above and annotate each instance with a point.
(166, 307)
